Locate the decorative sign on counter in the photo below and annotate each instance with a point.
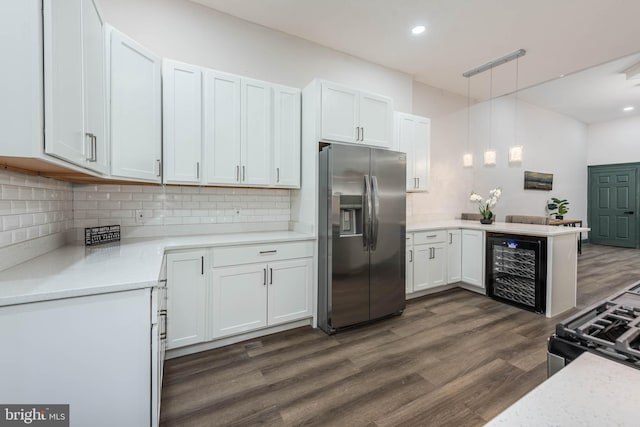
(100, 235)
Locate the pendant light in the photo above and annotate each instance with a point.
(515, 151)
(490, 153)
(467, 158)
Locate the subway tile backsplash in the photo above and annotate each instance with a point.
(32, 207)
(95, 205)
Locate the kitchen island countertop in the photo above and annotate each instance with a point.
(498, 227)
(76, 270)
(590, 391)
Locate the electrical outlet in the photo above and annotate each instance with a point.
(139, 216)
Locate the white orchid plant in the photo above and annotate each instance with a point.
(485, 206)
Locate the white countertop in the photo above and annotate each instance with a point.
(75, 270)
(498, 227)
(590, 391)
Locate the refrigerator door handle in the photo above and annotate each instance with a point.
(376, 213)
(366, 232)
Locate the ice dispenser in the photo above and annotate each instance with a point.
(350, 215)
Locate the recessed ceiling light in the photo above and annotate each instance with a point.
(629, 108)
(419, 29)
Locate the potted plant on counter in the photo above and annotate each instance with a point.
(485, 206)
(559, 205)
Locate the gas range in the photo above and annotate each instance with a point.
(610, 328)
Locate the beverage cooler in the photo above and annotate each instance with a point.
(517, 270)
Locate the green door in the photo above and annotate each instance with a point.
(613, 210)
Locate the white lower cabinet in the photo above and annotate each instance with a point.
(409, 265)
(91, 352)
(454, 256)
(429, 266)
(186, 298)
(441, 257)
(472, 257)
(253, 296)
(289, 295)
(238, 299)
(231, 290)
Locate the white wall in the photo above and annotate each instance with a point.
(189, 32)
(450, 183)
(553, 143)
(615, 141)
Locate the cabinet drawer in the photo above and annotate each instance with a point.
(266, 252)
(429, 237)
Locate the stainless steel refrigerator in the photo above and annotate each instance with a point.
(362, 225)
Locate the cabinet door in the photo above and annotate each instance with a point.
(255, 134)
(238, 299)
(376, 120)
(222, 127)
(339, 113)
(182, 123)
(94, 87)
(286, 137)
(135, 115)
(421, 150)
(186, 299)
(421, 259)
(406, 135)
(86, 347)
(454, 256)
(409, 269)
(290, 285)
(63, 94)
(472, 257)
(438, 265)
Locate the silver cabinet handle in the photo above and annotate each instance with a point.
(361, 134)
(264, 277)
(94, 149)
(410, 255)
(243, 177)
(277, 174)
(90, 135)
(418, 178)
(198, 170)
(159, 164)
(202, 265)
(273, 251)
(271, 276)
(357, 133)
(451, 238)
(415, 182)
(238, 173)
(431, 236)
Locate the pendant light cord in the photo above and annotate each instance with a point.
(468, 111)
(515, 125)
(490, 107)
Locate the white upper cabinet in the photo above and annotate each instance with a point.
(222, 127)
(413, 136)
(349, 115)
(376, 120)
(182, 104)
(286, 137)
(255, 134)
(339, 113)
(74, 75)
(135, 109)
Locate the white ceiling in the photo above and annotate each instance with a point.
(560, 36)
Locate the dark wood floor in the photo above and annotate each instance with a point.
(456, 358)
